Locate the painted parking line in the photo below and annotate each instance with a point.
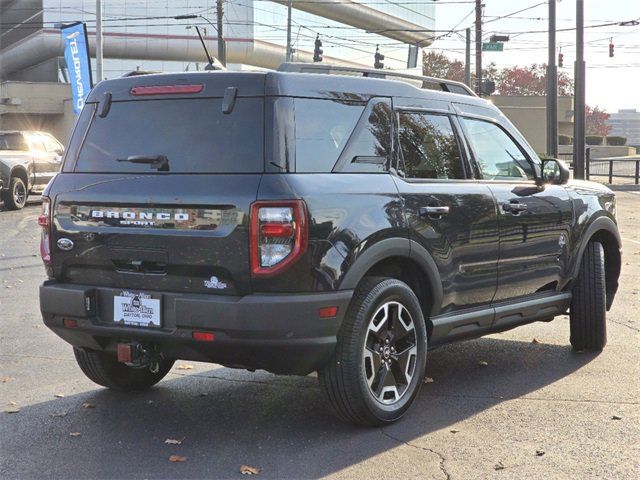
(629, 240)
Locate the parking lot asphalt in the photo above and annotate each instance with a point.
(517, 405)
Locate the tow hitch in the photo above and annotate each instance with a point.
(138, 355)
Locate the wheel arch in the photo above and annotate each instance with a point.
(21, 172)
(404, 260)
(604, 231)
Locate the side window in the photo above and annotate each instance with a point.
(52, 145)
(497, 155)
(322, 130)
(369, 148)
(428, 146)
(37, 143)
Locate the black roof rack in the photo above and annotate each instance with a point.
(430, 83)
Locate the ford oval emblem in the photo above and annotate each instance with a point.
(65, 244)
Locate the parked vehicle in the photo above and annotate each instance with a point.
(28, 161)
(301, 222)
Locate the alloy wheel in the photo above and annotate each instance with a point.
(390, 352)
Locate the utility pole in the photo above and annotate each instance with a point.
(479, 47)
(467, 57)
(289, 48)
(579, 100)
(552, 86)
(99, 69)
(222, 47)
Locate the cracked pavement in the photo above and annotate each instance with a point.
(535, 410)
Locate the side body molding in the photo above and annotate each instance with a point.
(397, 247)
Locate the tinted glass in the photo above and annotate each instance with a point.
(322, 130)
(497, 155)
(369, 148)
(13, 141)
(193, 134)
(429, 148)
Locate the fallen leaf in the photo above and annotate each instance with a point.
(482, 363)
(75, 434)
(12, 403)
(7, 379)
(11, 410)
(59, 414)
(540, 453)
(616, 417)
(453, 430)
(185, 367)
(172, 441)
(59, 395)
(249, 470)
(534, 341)
(89, 405)
(177, 458)
(428, 380)
(499, 466)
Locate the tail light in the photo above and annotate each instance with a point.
(278, 235)
(44, 220)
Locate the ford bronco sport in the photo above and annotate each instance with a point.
(299, 222)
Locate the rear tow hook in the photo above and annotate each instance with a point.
(138, 355)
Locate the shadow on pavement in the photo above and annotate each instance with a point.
(280, 424)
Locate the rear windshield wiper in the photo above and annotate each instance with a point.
(160, 162)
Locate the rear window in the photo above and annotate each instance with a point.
(13, 141)
(193, 134)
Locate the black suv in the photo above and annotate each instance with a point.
(301, 222)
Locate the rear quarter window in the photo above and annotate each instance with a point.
(194, 135)
(13, 141)
(322, 129)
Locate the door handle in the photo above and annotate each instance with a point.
(434, 212)
(514, 207)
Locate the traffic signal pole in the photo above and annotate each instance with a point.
(552, 86)
(467, 58)
(479, 47)
(579, 100)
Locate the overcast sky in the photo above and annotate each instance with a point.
(612, 83)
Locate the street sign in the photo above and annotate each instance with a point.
(492, 46)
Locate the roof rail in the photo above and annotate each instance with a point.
(430, 83)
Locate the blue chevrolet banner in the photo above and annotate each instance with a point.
(76, 54)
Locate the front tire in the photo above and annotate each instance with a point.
(588, 313)
(15, 197)
(104, 369)
(380, 357)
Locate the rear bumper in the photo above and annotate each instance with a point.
(282, 333)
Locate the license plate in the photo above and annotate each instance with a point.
(136, 309)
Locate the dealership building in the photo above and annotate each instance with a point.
(145, 35)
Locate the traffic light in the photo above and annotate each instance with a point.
(610, 50)
(560, 59)
(379, 58)
(317, 50)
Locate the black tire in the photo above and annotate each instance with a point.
(588, 311)
(15, 197)
(349, 379)
(104, 369)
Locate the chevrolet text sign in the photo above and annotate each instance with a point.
(76, 54)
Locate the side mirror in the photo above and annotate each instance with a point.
(554, 172)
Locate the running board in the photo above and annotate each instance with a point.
(498, 318)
